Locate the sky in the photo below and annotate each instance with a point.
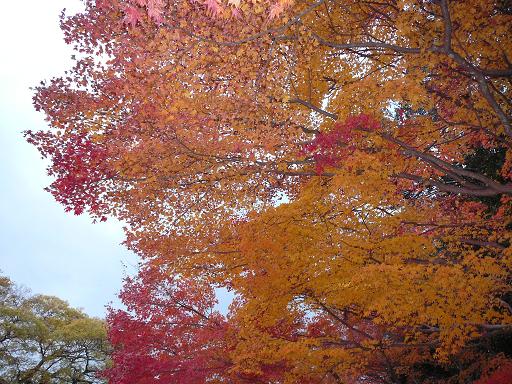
(42, 247)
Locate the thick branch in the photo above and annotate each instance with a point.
(314, 108)
(451, 169)
(483, 243)
(450, 188)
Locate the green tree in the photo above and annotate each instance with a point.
(45, 341)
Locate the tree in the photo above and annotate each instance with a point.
(236, 136)
(389, 291)
(169, 332)
(43, 340)
(190, 121)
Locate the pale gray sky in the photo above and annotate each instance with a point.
(42, 247)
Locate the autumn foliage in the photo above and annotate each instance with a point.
(170, 332)
(344, 168)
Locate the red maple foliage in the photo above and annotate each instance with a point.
(169, 332)
(502, 375)
(329, 148)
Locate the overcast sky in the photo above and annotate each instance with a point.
(42, 247)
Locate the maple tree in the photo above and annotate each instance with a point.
(169, 332)
(343, 167)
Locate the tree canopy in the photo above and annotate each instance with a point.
(45, 341)
(343, 167)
